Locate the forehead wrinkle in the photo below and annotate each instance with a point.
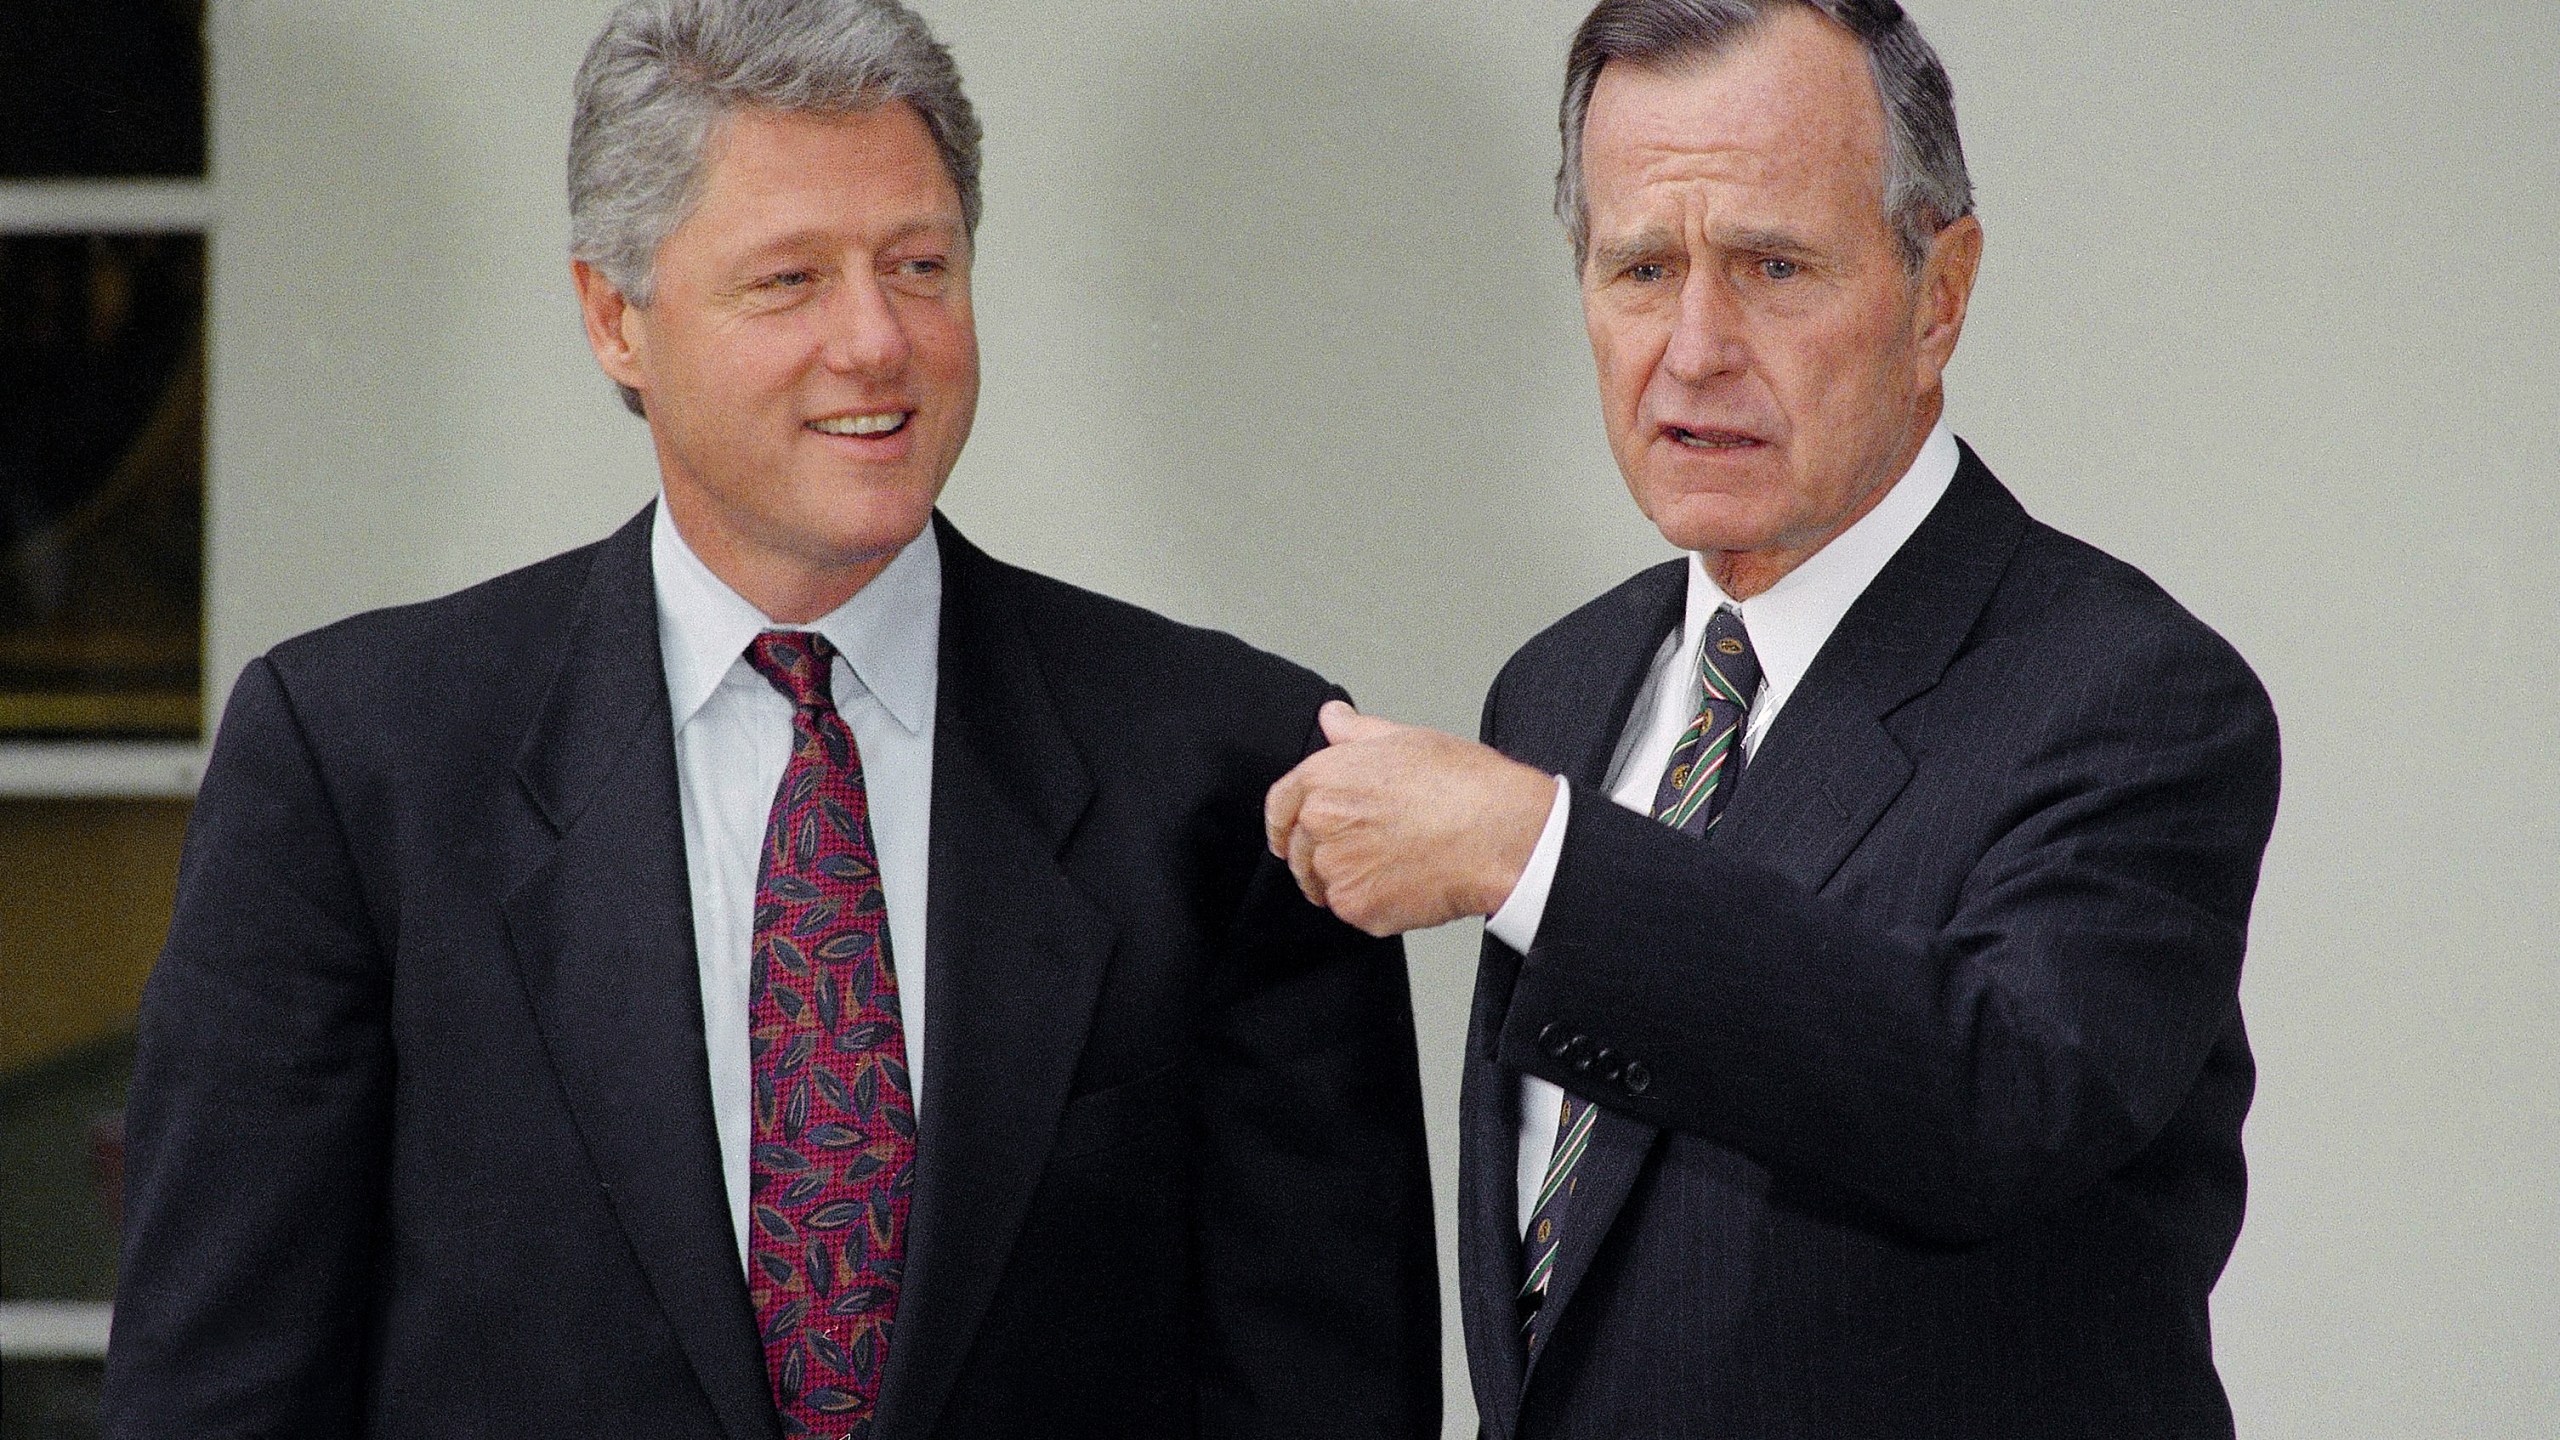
(1775, 149)
(1794, 93)
(804, 227)
(1671, 158)
(807, 238)
(1737, 196)
(1793, 66)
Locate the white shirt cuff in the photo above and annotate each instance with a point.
(1516, 923)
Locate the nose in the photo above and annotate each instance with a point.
(862, 332)
(1707, 337)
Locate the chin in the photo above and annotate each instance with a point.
(895, 514)
(1713, 524)
(840, 537)
(878, 537)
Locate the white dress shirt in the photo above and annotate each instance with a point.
(733, 740)
(1788, 624)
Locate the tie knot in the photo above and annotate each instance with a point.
(1726, 664)
(799, 663)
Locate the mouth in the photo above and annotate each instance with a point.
(1712, 439)
(869, 426)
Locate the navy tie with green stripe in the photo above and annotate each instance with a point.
(1698, 782)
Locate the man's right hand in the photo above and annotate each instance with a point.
(1397, 827)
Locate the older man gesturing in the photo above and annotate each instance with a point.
(1856, 1047)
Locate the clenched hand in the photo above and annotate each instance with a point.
(1395, 827)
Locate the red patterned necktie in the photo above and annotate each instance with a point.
(835, 1122)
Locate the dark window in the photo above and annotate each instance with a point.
(101, 88)
(101, 485)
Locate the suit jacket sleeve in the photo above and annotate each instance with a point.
(1955, 1074)
(1311, 1111)
(259, 1114)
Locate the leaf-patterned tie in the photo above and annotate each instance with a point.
(1698, 782)
(835, 1124)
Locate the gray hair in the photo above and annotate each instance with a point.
(664, 73)
(1926, 188)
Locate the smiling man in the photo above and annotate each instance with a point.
(1856, 1046)
(777, 971)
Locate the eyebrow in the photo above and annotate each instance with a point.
(1649, 243)
(801, 241)
(1775, 242)
(947, 224)
(1655, 242)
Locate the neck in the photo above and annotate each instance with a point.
(1742, 574)
(786, 589)
(796, 597)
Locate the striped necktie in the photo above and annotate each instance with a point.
(1697, 784)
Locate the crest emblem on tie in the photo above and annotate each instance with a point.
(1729, 645)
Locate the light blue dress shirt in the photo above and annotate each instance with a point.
(733, 740)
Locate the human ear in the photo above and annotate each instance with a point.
(1946, 288)
(617, 330)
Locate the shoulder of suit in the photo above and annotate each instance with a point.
(489, 648)
(1641, 600)
(2066, 598)
(2057, 599)
(526, 606)
(1123, 664)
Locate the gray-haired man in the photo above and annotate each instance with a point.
(1856, 1047)
(777, 971)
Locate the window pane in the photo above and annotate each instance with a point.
(101, 88)
(85, 894)
(101, 485)
(50, 1399)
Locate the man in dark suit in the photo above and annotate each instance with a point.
(777, 971)
(1873, 1065)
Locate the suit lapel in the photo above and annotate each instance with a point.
(1576, 734)
(1570, 727)
(1017, 958)
(1489, 1228)
(1830, 764)
(603, 936)
(1826, 770)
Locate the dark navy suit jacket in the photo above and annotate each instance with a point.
(1922, 1077)
(421, 1135)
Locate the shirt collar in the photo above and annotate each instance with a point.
(1789, 621)
(889, 632)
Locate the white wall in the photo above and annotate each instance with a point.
(1280, 338)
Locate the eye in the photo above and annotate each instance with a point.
(789, 280)
(923, 265)
(1774, 268)
(1649, 272)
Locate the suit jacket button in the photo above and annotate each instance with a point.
(1637, 1080)
(1553, 1039)
(1607, 1065)
(1579, 1055)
